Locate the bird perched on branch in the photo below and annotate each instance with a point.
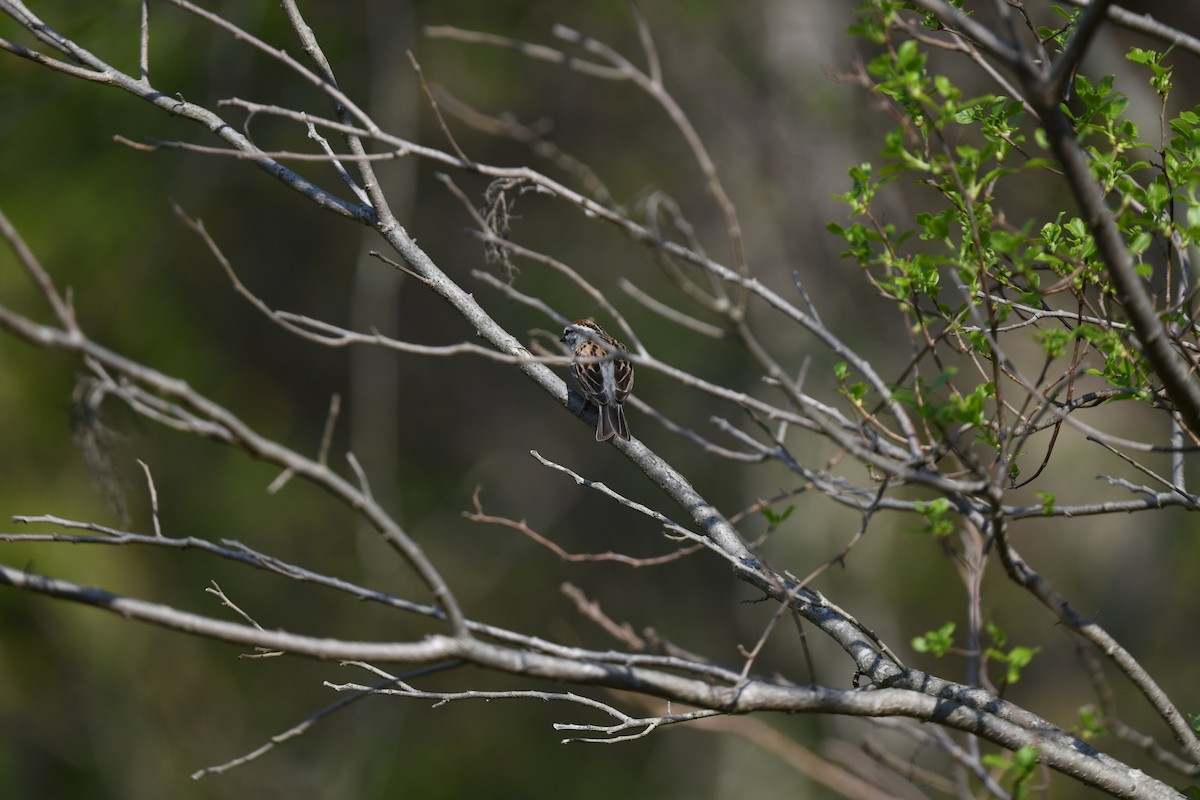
(605, 378)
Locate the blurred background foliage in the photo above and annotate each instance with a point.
(91, 706)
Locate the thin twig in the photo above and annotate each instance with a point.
(622, 632)
(433, 104)
(309, 722)
(478, 515)
(153, 498)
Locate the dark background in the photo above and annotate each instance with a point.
(92, 706)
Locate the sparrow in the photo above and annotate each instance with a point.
(605, 383)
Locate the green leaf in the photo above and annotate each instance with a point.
(1022, 765)
(1018, 659)
(1014, 660)
(1090, 724)
(1139, 56)
(938, 522)
(1160, 75)
(994, 761)
(1053, 341)
(775, 518)
(1140, 242)
(1025, 759)
(936, 642)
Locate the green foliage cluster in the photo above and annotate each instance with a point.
(975, 269)
(994, 287)
(940, 642)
